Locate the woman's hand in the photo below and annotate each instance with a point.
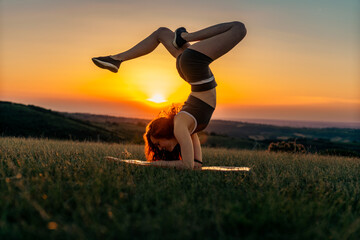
(197, 166)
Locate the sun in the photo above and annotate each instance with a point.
(157, 98)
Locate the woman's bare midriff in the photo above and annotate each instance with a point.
(208, 96)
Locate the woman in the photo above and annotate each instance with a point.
(174, 133)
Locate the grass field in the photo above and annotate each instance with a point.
(65, 190)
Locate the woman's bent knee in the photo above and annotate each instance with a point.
(161, 30)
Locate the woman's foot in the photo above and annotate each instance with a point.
(107, 63)
(178, 40)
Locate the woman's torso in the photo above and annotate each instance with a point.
(193, 67)
(208, 96)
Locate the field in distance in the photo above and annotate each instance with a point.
(53, 189)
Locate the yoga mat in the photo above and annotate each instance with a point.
(208, 168)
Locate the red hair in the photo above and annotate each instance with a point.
(162, 127)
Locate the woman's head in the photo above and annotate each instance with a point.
(160, 142)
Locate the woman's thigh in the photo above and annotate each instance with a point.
(219, 45)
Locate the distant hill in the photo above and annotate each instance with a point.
(332, 141)
(262, 132)
(302, 124)
(131, 128)
(32, 121)
(241, 135)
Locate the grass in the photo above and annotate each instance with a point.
(65, 190)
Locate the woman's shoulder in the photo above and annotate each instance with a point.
(184, 120)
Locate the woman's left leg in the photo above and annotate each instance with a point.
(162, 35)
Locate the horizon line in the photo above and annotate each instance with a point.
(266, 121)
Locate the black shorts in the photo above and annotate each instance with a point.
(193, 67)
(199, 110)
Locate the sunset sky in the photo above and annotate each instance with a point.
(299, 61)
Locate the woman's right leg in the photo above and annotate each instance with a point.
(216, 40)
(162, 35)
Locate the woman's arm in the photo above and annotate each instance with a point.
(182, 123)
(197, 147)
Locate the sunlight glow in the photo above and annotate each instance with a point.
(157, 98)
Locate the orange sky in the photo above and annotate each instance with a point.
(299, 61)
